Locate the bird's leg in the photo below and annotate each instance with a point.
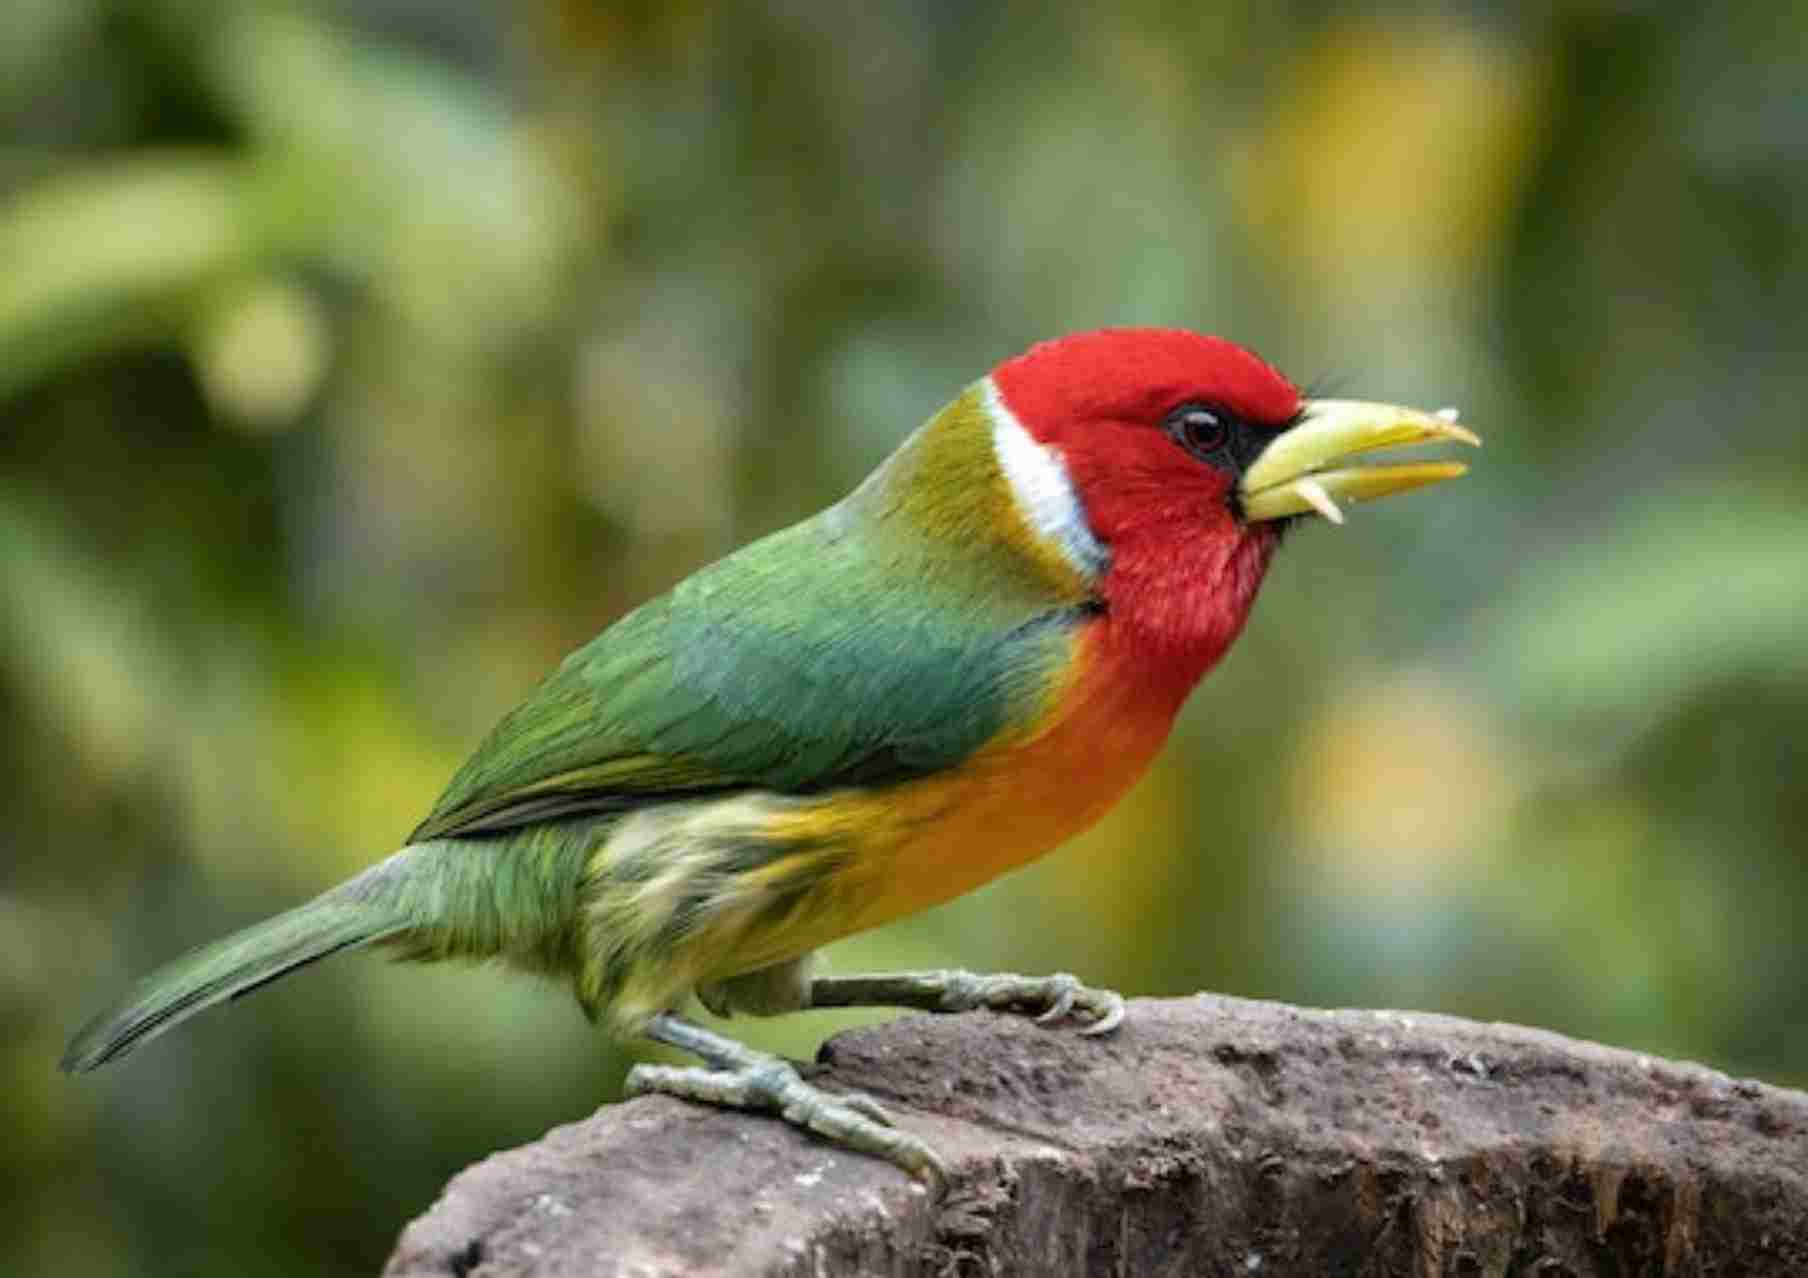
(1050, 998)
(736, 1076)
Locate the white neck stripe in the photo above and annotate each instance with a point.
(1044, 491)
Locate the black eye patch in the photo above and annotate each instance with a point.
(1216, 436)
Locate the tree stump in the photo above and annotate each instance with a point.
(1208, 1136)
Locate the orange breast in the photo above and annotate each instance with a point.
(925, 842)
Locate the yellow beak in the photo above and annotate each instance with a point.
(1288, 479)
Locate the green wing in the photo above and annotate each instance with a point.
(805, 661)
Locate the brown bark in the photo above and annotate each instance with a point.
(1209, 1136)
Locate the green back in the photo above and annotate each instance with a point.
(868, 645)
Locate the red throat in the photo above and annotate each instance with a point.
(1170, 617)
(1184, 570)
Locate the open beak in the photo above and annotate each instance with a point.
(1289, 477)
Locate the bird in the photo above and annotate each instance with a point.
(957, 667)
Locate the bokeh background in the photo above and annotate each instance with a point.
(358, 359)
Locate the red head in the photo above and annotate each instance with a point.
(1155, 427)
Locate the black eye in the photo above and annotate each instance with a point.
(1200, 430)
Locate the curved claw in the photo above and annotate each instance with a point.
(1108, 1016)
(933, 1172)
(861, 1103)
(1063, 997)
(1061, 990)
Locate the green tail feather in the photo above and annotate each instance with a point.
(447, 898)
(240, 963)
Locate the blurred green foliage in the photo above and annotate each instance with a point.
(359, 358)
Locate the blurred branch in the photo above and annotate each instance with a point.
(1212, 1135)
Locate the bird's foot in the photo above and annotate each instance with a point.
(735, 1076)
(1048, 998)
